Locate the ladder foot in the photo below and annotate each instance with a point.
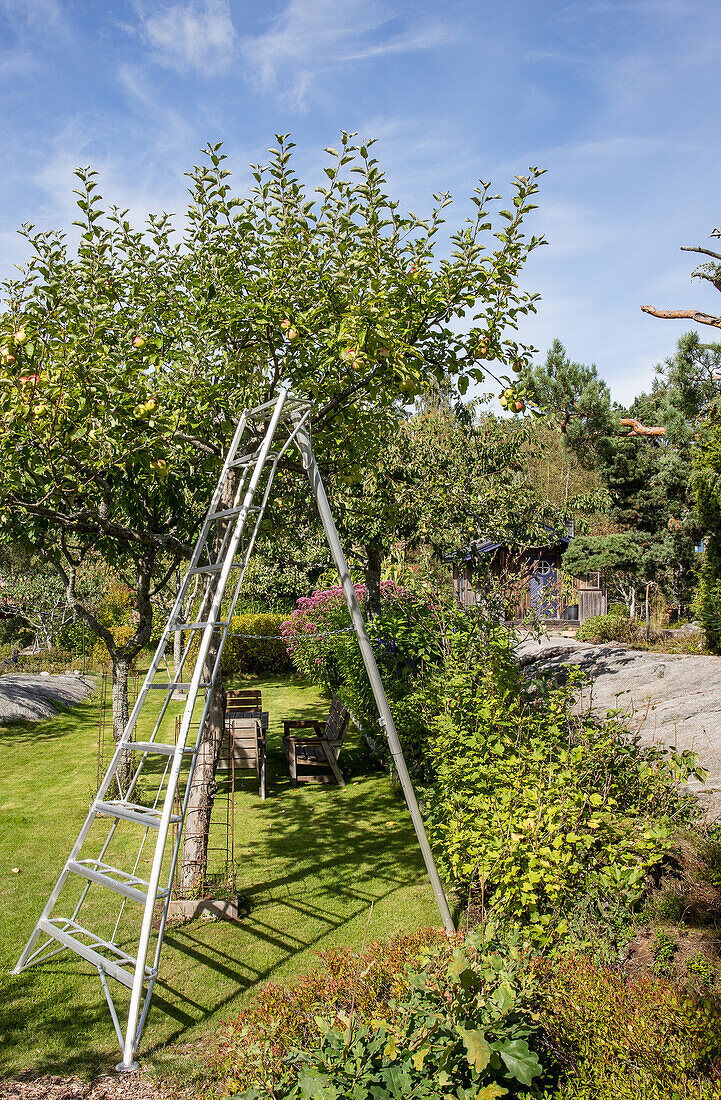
(132, 1068)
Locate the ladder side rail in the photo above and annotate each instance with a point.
(303, 417)
(185, 583)
(386, 718)
(168, 630)
(164, 825)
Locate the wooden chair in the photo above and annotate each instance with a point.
(321, 751)
(244, 699)
(246, 703)
(245, 739)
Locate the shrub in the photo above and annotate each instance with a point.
(406, 641)
(100, 656)
(618, 1039)
(613, 627)
(252, 1047)
(538, 807)
(47, 660)
(255, 645)
(459, 1026)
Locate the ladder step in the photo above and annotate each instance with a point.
(252, 456)
(127, 885)
(173, 685)
(130, 811)
(212, 568)
(249, 459)
(197, 626)
(231, 512)
(69, 936)
(158, 746)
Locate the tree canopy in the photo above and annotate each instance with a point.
(125, 361)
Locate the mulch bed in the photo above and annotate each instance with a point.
(125, 1086)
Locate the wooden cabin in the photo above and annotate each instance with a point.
(537, 577)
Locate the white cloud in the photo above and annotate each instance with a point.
(312, 36)
(198, 35)
(47, 13)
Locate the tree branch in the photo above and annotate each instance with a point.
(199, 444)
(684, 314)
(638, 428)
(703, 251)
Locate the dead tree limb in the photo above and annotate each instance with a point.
(684, 314)
(637, 428)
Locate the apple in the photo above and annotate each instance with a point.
(517, 366)
(503, 400)
(6, 357)
(482, 349)
(20, 337)
(139, 342)
(383, 353)
(519, 406)
(348, 355)
(291, 334)
(508, 394)
(151, 404)
(285, 324)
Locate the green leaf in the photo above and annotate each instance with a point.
(520, 1061)
(478, 1050)
(316, 1086)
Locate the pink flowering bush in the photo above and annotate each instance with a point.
(404, 636)
(318, 634)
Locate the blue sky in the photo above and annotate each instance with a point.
(617, 100)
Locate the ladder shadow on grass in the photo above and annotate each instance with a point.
(359, 871)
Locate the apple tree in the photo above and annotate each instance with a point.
(125, 358)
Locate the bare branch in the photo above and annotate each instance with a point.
(638, 428)
(703, 251)
(684, 314)
(199, 444)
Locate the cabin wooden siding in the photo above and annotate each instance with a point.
(587, 593)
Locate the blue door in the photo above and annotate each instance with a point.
(544, 588)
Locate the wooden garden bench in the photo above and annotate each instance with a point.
(246, 703)
(319, 752)
(244, 736)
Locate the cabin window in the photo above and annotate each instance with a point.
(591, 580)
(544, 569)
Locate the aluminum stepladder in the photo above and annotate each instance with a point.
(131, 807)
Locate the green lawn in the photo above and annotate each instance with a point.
(310, 862)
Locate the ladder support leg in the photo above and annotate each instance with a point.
(386, 718)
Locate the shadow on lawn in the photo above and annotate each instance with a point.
(334, 865)
(50, 729)
(328, 854)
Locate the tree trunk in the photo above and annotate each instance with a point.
(194, 862)
(374, 559)
(121, 667)
(177, 651)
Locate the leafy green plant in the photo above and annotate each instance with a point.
(614, 627)
(700, 970)
(663, 950)
(462, 1029)
(534, 806)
